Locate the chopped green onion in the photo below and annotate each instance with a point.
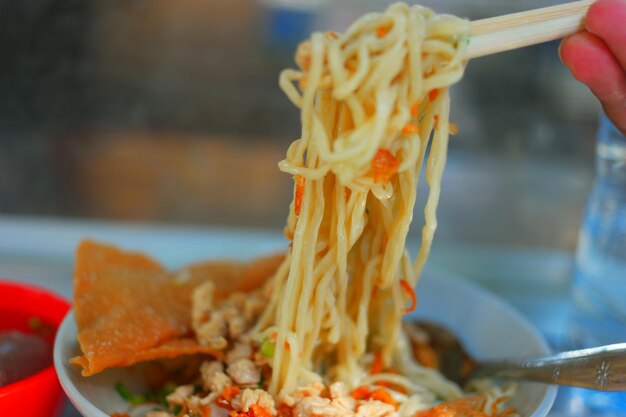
(133, 399)
(268, 347)
(168, 388)
(160, 395)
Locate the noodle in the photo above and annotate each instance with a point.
(323, 337)
(372, 101)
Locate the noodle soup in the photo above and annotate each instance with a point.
(316, 331)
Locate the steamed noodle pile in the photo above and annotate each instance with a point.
(372, 102)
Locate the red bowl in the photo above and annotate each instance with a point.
(38, 395)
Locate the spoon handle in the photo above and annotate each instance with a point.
(601, 368)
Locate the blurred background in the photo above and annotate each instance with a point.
(170, 112)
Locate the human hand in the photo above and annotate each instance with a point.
(597, 57)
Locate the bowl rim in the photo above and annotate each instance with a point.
(73, 393)
(49, 372)
(468, 286)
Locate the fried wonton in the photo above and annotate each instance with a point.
(129, 309)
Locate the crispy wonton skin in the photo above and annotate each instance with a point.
(129, 309)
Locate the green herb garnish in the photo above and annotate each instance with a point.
(133, 399)
(268, 347)
(160, 396)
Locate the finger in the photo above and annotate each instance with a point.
(607, 20)
(592, 63)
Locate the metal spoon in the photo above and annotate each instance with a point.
(601, 368)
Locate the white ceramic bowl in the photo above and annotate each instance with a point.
(486, 325)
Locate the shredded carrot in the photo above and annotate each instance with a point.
(230, 392)
(464, 406)
(377, 363)
(120, 415)
(205, 411)
(407, 288)
(433, 94)
(453, 129)
(390, 385)
(283, 410)
(202, 411)
(384, 165)
(382, 31)
(257, 410)
(410, 128)
(360, 393)
(374, 291)
(183, 411)
(286, 345)
(332, 35)
(299, 193)
(273, 335)
(383, 395)
(303, 82)
(415, 108)
(436, 119)
(222, 403)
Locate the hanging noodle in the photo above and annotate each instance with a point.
(374, 106)
(323, 336)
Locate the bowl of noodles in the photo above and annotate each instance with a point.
(486, 325)
(317, 329)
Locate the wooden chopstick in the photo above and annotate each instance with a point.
(512, 31)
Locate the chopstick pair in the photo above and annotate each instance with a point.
(516, 30)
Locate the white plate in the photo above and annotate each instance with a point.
(487, 326)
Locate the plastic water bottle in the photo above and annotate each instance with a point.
(599, 285)
(599, 282)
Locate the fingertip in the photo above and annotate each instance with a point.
(572, 50)
(564, 49)
(605, 15)
(583, 53)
